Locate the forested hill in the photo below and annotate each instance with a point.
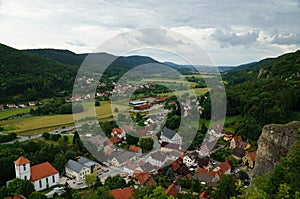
(62, 56)
(25, 76)
(285, 67)
(264, 92)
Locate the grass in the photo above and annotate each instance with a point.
(198, 92)
(40, 124)
(12, 112)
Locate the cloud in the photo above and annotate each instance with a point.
(227, 39)
(76, 43)
(291, 39)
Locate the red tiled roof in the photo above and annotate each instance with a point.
(134, 148)
(21, 160)
(172, 190)
(115, 140)
(116, 130)
(238, 138)
(204, 194)
(252, 155)
(41, 171)
(175, 166)
(17, 196)
(206, 172)
(225, 166)
(142, 177)
(122, 193)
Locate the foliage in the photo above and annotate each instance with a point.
(226, 188)
(31, 77)
(19, 186)
(221, 154)
(90, 179)
(37, 195)
(115, 182)
(146, 144)
(8, 138)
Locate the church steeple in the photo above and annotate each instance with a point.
(22, 168)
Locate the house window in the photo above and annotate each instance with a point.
(24, 167)
(40, 183)
(25, 177)
(47, 180)
(53, 179)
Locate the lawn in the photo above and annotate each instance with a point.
(12, 112)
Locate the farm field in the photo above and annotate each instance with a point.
(12, 112)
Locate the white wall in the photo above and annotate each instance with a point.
(51, 183)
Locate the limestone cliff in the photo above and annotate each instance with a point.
(273, 144)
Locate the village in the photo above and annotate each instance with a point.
(142, 164)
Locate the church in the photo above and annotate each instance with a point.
(42, 176)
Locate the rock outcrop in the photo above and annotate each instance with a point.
(273, 144)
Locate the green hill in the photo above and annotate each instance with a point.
(25, 76)
(284, 67)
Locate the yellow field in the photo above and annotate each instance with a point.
(198, 92)
(39, 124)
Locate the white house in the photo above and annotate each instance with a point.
(76, 170)
(168, 135)
(189, 161)
(157, 159)
(42, 176)
(119, 159)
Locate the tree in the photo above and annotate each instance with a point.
(59, 162)
(132, 139)
(158, 193)
(90, 179)
(37, 195)
(226, 188)
(232, 161)
(19, 186)
(3, 192)
(102, 193)
(243, 175)
(70, 155)
(115, 182)
(97, 103)
(63, 143)
(146, 144)
(46, 135)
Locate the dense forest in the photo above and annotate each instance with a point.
(26, 77)
(262, 93)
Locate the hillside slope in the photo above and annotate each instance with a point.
(25, 76)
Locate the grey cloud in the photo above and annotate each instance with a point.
(234, 39)
(286, 39)
(153, 36)
(76, 43)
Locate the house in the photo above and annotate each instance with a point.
(119, 159)
(142, 107)
(173, 189)
(157, 159)
(114, 140)
(189, 161)
(117, 132)
(42, 176)
(237, 142)
(238, 153)
(122, 193)
(249, 159)
(94, 166)
(135, 149)
(166, 147)
(223, 168)
(174, 155)
(206, 148)
(130, 167)
(76, 170)
(205, 176)
(147, 167)
(143, 178)
(168, 135)
(203, 162)
(31, 104)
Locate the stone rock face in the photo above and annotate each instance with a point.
(273, 144)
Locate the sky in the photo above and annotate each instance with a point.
(230, 32)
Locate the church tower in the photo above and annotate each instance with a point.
(22, 168)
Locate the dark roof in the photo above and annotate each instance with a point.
(147, 167)
(203, 177)
(203, 162)
(184, 170)
(158, 156)
(122, 157)
(170, 145)
(73, 165)
(173, 189)
(168, 133)
(239, 152)
(86, 162)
